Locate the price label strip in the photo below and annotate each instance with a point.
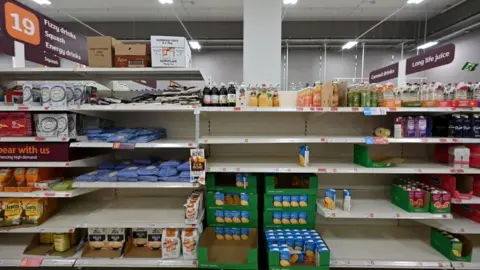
(376, 140)
(31, 262)
(374, 111)
(124, 146)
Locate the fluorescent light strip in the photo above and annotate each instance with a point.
(165, 2)
(195, 45)
(349, 45)
(290, 2)
(42, 2)
(427, 45)
(414, 1)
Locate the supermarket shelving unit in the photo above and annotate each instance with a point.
(375, 234)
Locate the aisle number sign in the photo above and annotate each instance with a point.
(32, 28)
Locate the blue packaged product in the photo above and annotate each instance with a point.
(271, 239)
(245, 217)
(167, 171)
(145, 139)
(286, 218)
(284, 257)
(127, 131)
(290, 241)
(220, 233)
(228, 216)
(90, 177)
(277, 201)
(295, 201)
(294, 218)
(131, 171)
(313, 232)
(228, 234)
(236, 234)
(94, 131)
(236, 216)
(269, 231)
(303, 200)
(273, 249)
(277, 217)
(148, 178)
(108, 176)
(170, 163)
(323, 250)
(288, 233)
(149, 170)
(244, 199)
(299, 243)
(301, 258)
(286, 201)
(184, 174)
(321, 245)
(219, 216)
(283, 246)
(304, 230)
(127, 179)
(245, 233)
(123, 164)
(302, 217)
(309, 250)
(106, 166)
(219, 198)
(122, 138)
(239, 179)
(281, 240)
(307, 237)
(272, 245)
(185, 166)
(295, 230)
(143, 162)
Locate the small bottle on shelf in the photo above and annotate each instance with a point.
(215, 96)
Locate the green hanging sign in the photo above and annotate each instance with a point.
(470, 66)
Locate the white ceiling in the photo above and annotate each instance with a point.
(232, 10)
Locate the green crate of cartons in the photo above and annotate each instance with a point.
(232, 218)
(292, 203)
(289, 220)
(228, 254)
(455, 247)
(232, 201)
(362, 157)
(408, 201)
(436, 206)
(291, 184)
(229, 182)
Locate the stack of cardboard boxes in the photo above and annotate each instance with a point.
(163, 52)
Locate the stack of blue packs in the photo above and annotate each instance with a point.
(139, 170)
(127, 135)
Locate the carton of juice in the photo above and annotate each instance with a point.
(294, 201)
(229, 198)
(277, 217)
(281, 240)
(299, 243)
(286, 218)
(244, 199)
(330, 199)
(302, 218)
(285, 257)
(309, 251)
(220, 233)
(457, 247)
(418, 197)
(219, 198)
(245, 217)
(236, 199)
(228, 234)
(277, 201)
(436, 199)
(244, 233)
(286, 201)
(347, 200)
(303, 201)
(290, 242)
(236, 234)
(236, 216)
(304, 156)
(228, 216)
(219, 216)
(294, 218)
(446, 198)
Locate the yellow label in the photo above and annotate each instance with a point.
(13, 210)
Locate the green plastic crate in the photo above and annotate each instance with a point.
(401, 199)
(442, 244)
(212, 220)
(311, 204)
(252, 202)
(362, 157)
(227, 254)
(268, 221)
(274, 262)
(306, 184)
(226, 182)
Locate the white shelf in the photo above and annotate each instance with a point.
(28, 108)
(458, 224)
(328, 109)
(164, 143)
(140, 263)
(322, 139)
(124, 213)
(360, 246)
(474, 200)
(35, 139)
(139, 184)
(289, 165)
(98, 74)
(47, 193)
(86, 162)
(374, 209)
(133, 107)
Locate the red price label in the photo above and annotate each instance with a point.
(371, 215)
(392, 109)
(334, 109)
(443, 140)
(50, 194)
(22, 24)
(237, 169)
(355, 109)
(246, 140)
(125, 146)
(334, 215)
(31, 262)
(237, 109)
(23, 108)
(224, 169)
(460, 171)
(420, 170)
(39, 139)
(322, 170)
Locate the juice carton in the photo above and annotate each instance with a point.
(290, 242)
(446, 198)
(286, 201)
(294, 218)
(293, 258)
(285, 257)
(281, 240)
(277, 217)
(457, 247)
(239, 180)
(301, 258)
(330, 199)
(228, 234)
(236, 234)
(418, 197)
(245, 217)
(295, 201)
(219, 216)
(309, 251)
(219, 198)
(244, 233)
(347, 200)
(244, 199)
(236, 199)
(436, 198)
(271, 239)
(228, 216)
(304, 156)
(299, 243)
(220, 233)
(302, 217)
(229, 198)
(277, 201)
(286, 218)
(236, 216)
(303, 201)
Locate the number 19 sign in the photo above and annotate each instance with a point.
(30, 27)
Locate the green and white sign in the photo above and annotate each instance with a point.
(469, 66)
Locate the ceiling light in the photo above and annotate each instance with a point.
(414, 1)
(42, 2)
(290, 2)
(349, 45)
(427, 45)
(195, 45)
(165, 2)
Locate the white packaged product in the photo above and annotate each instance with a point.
(97, 238)
(189, 244)
(115, 238)
(459, 157)
(51, 125)
(72, 125)
(32, 95)
(170, 52)
(78, 94)
(45, 88)
(154, 238)
(58, 96)
(170, 244)
(70, 95)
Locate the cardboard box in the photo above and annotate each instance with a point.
(89, 252)
(170, 52)
(36, 248)
(101, 51)
(131, 55)
(132, 251)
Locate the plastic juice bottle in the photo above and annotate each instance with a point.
(380, 102)
(270, 98)
(317, 95)
(276, 99)
(223, 95)
(309, 97)
(263, 97)
(215, 96)
(253, 101)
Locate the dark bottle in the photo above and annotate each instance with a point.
(232, 95)
(458, 125)
(215, 96)
(223, 95)
(451, 127)
(207, 96)
(467, 127)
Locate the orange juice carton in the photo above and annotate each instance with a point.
(236, 234)
(330, 199)
(295, 201)
(244, 199)
(236, 216)
(219, 198)
(302, 217)
(281, 240)
(286, 218)
(277, 217)
(290, 242)
(228, 216)
(245, 217)
(228, 234)
(299, 243)
(304, 156)
(220, 233)
(303, 201)
(285, 257)
(309, 251)
(347, 200)
(219, 216)
(294, 218)
(286, 201)
(277, 201)
(244, 233)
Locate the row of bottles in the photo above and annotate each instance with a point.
(264, 97)
(223, 96)
(231, 94)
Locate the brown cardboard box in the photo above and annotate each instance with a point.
(132, 251)
(36, 248)
(131, 55)
(101, 51)
(89, 252)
